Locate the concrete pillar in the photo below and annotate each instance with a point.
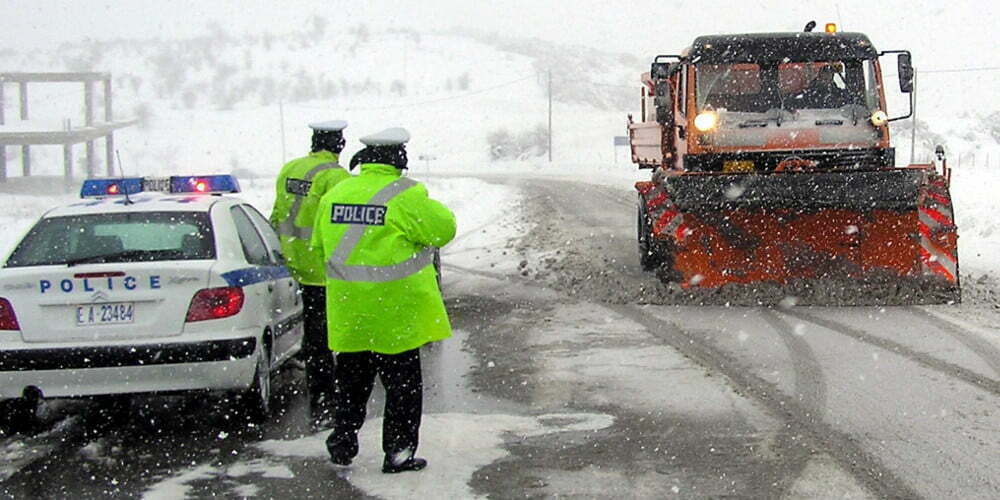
(108, 116)
(68, 163)
(26, 159)
(91, 159)
(109, 151)
(23, 87)
(3, 163)
(88, 103)
(1, 103)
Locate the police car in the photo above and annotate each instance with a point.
(135, 291)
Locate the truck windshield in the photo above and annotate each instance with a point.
(756, 88)
(116, 237)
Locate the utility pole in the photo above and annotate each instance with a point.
(281, 114)
(913, 131)
(550, 115)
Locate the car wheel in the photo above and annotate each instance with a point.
(257, 399)
(18, 415)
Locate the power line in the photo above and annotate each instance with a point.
(429, 101)
(959, 70)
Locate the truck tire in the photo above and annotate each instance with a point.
(651, 253)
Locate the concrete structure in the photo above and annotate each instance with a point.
(89, 133)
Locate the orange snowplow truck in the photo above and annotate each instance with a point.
(773, 171)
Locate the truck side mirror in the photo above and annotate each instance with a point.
(664, 106)
(659, 70)
(905, 70)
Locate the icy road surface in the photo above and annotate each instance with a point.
(559, 383)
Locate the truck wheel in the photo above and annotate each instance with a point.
(651, 254)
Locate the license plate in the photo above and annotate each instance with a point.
(112, 313)
(737, 166)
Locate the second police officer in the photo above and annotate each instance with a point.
(300, 185)
(379, 232)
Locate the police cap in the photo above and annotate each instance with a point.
(329, 126)
(396, 136)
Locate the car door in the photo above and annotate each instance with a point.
(286, 288)
(264, 289)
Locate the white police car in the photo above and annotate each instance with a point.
(132, 291)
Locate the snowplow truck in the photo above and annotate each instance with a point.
(772, 171)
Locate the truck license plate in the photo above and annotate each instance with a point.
(112, 313)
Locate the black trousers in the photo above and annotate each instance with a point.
(319, 360)
(400, 375)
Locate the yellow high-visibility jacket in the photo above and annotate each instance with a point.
(378, 233)
(300, 185)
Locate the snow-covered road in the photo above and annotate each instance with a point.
(562, 380)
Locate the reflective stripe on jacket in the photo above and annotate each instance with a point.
(299, 187)
(378, 232)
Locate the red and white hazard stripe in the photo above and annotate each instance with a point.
(935, 259)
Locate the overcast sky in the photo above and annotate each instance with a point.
(941, 34)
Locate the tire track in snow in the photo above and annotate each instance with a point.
(804, 434)
(800, 420)
(923, 359)
(985, 350)
(810, 386)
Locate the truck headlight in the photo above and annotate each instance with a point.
(706, 120)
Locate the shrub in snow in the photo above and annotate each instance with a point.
(992, 125)
(527, 144)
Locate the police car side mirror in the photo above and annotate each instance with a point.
(278, 257)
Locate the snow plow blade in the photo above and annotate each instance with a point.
(834, 238)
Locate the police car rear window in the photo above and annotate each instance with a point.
(119, 237)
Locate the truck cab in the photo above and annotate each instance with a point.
(767, 101)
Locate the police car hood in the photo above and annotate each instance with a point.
(106, 301)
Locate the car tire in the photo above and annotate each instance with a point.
(256, 401)
(18, 415)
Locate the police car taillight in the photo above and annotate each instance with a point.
(215, 303)
(8, 320)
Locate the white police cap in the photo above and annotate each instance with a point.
(389, 137)
(330, 126)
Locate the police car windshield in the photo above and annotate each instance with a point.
(119, 237)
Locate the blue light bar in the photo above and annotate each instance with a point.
(110, 187)
(204, 184)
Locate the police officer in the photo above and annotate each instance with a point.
(300, 185)
(379, 231)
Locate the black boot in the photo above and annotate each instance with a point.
(409, 464)
(342, 449)
(340, 459)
